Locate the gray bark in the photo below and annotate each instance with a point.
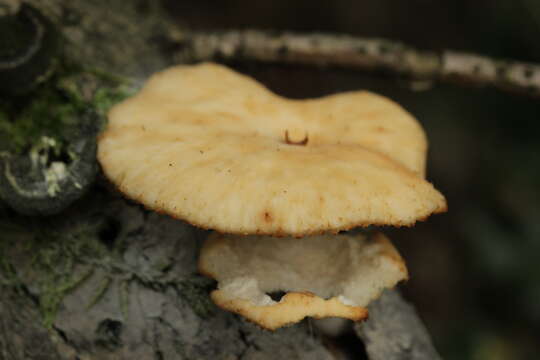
(22, 335)
(394, 331)
(114, 281)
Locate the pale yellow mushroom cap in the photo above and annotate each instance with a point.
(217, 149)
(324, 276)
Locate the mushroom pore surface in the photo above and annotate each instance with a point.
(324, 275)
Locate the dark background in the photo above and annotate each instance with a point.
(474, 271)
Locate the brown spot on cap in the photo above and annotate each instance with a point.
(268, 216)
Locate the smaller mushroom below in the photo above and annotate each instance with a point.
(324, 276)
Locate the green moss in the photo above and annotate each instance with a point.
(46, 115)
(8, 275)
(195, 292)
(11, 234)
(123, 297)
(105, 98)
(52, 257)
(53, 291)
(100, 291)
(60, 259)
(57, 107)
(53, 261)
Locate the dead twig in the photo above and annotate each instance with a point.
(362, 54)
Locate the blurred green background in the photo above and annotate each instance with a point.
(475, 271)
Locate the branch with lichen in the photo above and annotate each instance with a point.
(362, 54)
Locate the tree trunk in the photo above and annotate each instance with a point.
(114, 281)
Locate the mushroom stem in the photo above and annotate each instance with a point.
(296, 137)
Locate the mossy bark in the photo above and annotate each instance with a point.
(110, 280)
(106, 279)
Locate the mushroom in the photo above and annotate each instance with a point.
(215, 148)
(325, 275)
